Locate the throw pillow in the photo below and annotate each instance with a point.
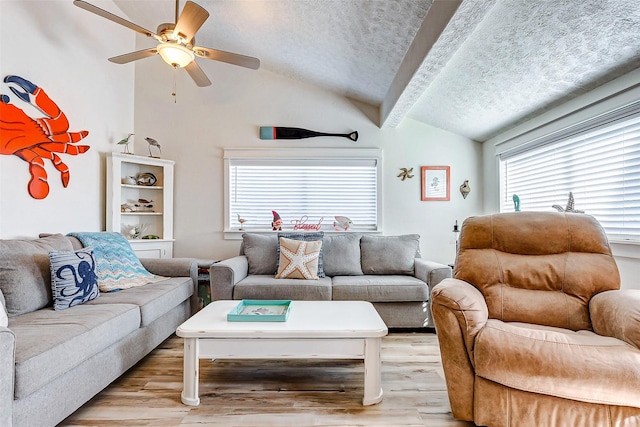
(25, 279)
(261, 253)
(117, 266)
(4, 319)
(341, 255)
(389, 254)
(308, 237)
(73, 278)
(298, 259)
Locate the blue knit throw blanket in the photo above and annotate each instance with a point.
(117, 266)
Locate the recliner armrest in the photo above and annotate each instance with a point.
(7, 375)
(617, 314)
(225, 274)
(459, 312)
(466, 303)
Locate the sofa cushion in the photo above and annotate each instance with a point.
(307, 237)
(298, 259)
(73, 277)
(154, 299)
(389, 254)
(387, 288)
(261, 253)
(50, 343)
(578, 365)
(341, 255)
(268, 287)
(25, 277)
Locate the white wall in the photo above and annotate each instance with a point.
(605, 98)
(64, 50)
(195, 130)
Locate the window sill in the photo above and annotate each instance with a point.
(237, 234)
(625, 248)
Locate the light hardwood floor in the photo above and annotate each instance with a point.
(279, 393)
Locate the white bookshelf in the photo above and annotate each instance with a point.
(158, 219)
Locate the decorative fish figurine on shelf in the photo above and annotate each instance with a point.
(342, 223)
(272, 132)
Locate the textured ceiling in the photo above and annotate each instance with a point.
(497, 62)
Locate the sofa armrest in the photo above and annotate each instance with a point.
(172, 267)
(224, 275)
(7, 372)
(459, 312)
(431, 272)
(176, 267)
(617, 314)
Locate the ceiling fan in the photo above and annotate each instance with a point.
(176, 42)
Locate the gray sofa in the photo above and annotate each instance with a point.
(384, 270)
(53, 361)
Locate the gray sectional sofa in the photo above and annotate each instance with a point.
(384, 270)
(53, 361)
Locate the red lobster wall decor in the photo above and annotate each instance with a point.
(34, 140)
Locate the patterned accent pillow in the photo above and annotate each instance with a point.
(298, 259)
(117, 266)
(73, 278)
(307, 237)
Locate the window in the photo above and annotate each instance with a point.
(597, 160)
(302, 183)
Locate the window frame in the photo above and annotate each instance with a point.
(289, 154)
(574, 135)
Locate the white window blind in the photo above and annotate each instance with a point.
(316, 188)
(597, 160)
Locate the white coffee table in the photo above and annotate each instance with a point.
(314, 329)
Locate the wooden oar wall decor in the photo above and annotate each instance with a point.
(273, 132)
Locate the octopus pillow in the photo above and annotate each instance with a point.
(73, 278)
(298, 259)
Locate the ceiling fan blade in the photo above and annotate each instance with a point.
(191, 19)
(128, 57)
(228, 57)
(197, 74)
(115, 18)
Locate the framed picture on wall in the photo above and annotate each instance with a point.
(435, 183)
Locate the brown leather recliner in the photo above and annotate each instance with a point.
(533, 329)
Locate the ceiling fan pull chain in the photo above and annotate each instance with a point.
(175, 98)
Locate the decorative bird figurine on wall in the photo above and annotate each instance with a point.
(155, 143)
(406, 173)
(465, 189)
(570, 206)
(125, 142)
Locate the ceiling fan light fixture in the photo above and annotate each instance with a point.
(175, 55)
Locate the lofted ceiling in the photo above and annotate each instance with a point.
(474, 67)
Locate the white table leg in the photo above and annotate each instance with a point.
(372, 372)
(190, 375)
